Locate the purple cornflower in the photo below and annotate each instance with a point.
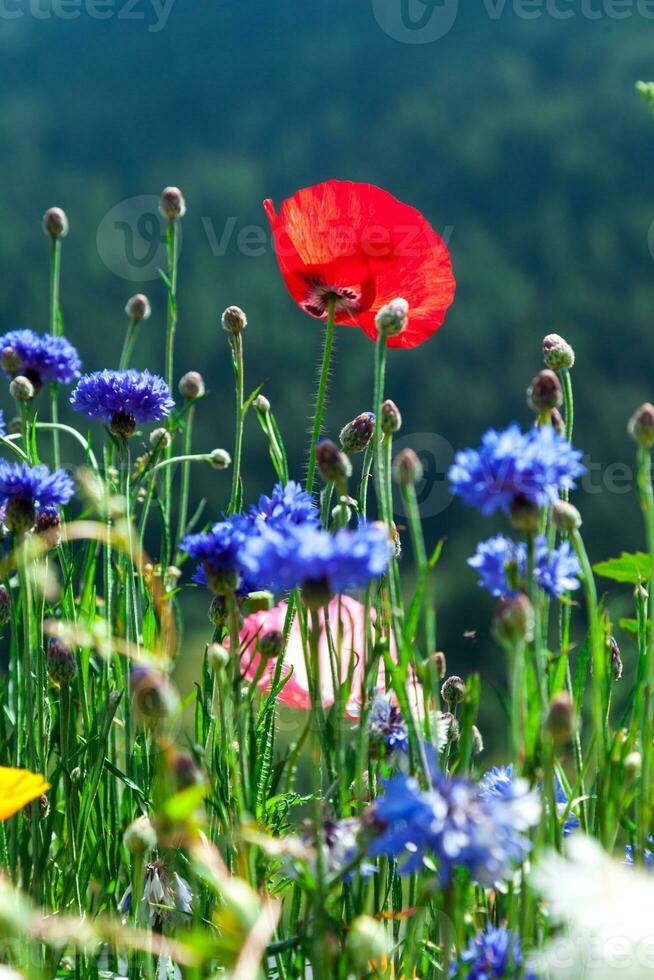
(455, 825)
(536, 465)
(25, 490)
(556, 569)
(385, 724)
(39, 358)
(221, 552)
(167, 897)
(287, 504)
(323, 564)
(493, 953)
(122, 398)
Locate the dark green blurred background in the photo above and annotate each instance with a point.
(520, 138)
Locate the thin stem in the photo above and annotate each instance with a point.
(55, 330)
(321, 394)
(171, 327)
(237, 360)
(186, 475)
(128, 344)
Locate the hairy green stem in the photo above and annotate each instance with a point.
(321, 393)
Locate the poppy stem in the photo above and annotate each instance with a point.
(55, 330)
(321, 394)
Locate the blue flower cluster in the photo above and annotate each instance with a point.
(455, 824)
(629, 859)
(279, 546)
(385, 724)
(493, 953)
(499, 783)
(536, 465)
(556, 571)
(106, 394)
(3, 427)
(39, 358)
(34, 484)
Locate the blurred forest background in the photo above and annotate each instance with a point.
(522, 140)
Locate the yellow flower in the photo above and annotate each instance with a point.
(17, 788)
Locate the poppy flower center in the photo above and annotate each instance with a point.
(347, 299)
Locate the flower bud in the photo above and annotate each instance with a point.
(367, 943)
(160, 438)
(453, 691)
(140, 837)
(560, 719)
(270, 644)
(356, 435)
(391, 419)
(154, 699)
(217, 656)
(61, 661)
(407, 468)
(545, 392)
(451, 727)
(191, 385)
(393, 318)
(172, 204)
(641, 426)
(185, 771)
(223, 582)
(524, 513)
(21, 389)
(123, 425)
(10, 360)
(333, 465)
(514, 622)
(219, 459)
(218, 612)
(261, 404)
(234, 320)
(566, 516)
(557, 422)
(138, 307)
(5, 605)
(55, 223)
(440, 663)
(557, 352)
(48, 527)
(477, 741)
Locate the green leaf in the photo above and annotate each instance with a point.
(183, 805)
(627, 568)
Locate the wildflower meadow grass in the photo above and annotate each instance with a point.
(147, 832)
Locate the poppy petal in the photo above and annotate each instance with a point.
(18, 787)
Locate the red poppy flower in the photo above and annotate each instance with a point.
(359, 244)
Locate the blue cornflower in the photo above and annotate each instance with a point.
(535, 466)
(288, 504)
(39, 358)
(493, 953)
(499, 783)
(571, 821)
(122, 398)
(26, 489)
(385, 724)
(323, 564)
(455, 824)
(556, 569)
(220, 552)
(629, 855)
(3, 428)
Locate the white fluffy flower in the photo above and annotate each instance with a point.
(606, 911)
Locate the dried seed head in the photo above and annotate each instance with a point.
(172, 204)
(55, 223)
(21, 389)
(191, 385)
(557, 352)
(234, 320)
(545, 392)
(641, 425)
(393, 318)
(138, 307)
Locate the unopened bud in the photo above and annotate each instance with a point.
(218, 612)
(477, 741)
(557, 422)
(172, 204)
(160, 438)
(61, 661)
(566, 516)
(524, 513)
(21, 389)
(10, 360)
(391, 419)
(356, 435)
(234, 320)
(55, 223)
(451, 727)
(185, 771)
(393, 318)
(270, 644)
(219, 459)
(560, 718)
(407, 468)
(261, 404)
(217, 656)
(514, 622)
(191, 385)
(641, 425)
(557, 352)
(367, 942)
(453, 691)
(545, 392)
(140, 837)
(154, 699)
(440, 663)
(48, 527)
(333, 465)
(138, 307)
